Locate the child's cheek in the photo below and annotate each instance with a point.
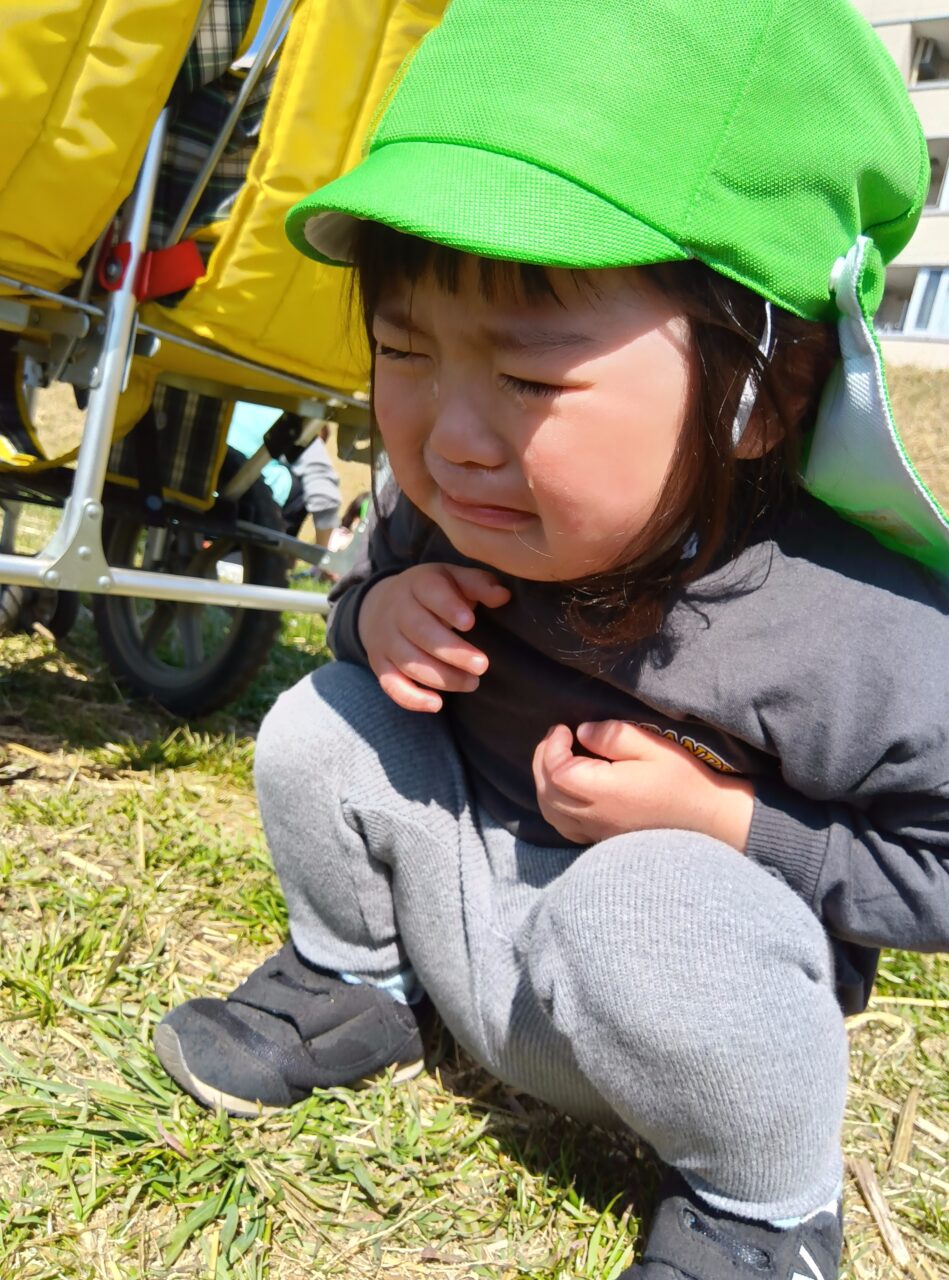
(548, 461)
(396, 401)
(569, 479)
(402, 427)
(591, 507)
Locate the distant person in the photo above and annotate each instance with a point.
(249, 424)
(357, 513)
(314, 491)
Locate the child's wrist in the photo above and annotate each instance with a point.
(734, 812)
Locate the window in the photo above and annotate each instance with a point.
(928, 310)
(930, 54)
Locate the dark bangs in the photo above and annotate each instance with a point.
(711, 502)
(383, 257)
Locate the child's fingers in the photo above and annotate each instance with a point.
(568, 817)
(542, 783)
(429, 634)
(438, 593)
(581, 779)
(449, 592)
(479, 587)
(539, 765)
(621, 740)
(556, 747)
(406, 693)
(612, 739)
(424, 669)
(567, 779)
(551, 757)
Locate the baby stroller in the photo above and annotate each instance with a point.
(146, 166)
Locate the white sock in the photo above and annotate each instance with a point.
(402, 986)
(784, 1224)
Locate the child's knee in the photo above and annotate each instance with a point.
(276, 745)
(302, 732)
(646, 924)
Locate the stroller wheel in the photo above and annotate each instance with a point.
(20, 607)
(11, 608)
(190, 658)
(57, 611)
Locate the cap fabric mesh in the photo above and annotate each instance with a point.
(761, 136)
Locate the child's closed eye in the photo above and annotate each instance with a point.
(393, 353)
(525, 387)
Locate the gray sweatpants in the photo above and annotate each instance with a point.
(657, 980)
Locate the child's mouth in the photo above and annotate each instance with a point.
(485, 514)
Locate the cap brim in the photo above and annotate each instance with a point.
(480, 202)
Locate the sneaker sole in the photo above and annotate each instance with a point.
(168, 1051)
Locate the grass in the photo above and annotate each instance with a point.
(133, 875)
(919, 405)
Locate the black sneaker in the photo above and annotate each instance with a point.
(288, 1029)
(689, 1240)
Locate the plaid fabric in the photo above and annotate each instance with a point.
(203, 95)
(185, 445)
(214, 46)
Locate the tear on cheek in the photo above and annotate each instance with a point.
(570, 515)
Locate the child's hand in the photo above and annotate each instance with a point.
(407, 625)
(641, 782)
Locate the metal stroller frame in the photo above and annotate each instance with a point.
(73, 558)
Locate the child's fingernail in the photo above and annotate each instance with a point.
(479, 664)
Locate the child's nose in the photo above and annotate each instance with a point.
(463, 434)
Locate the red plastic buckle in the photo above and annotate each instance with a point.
(169, 270)
(160, 272)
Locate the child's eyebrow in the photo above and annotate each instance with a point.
(521, 339)
(530, 339)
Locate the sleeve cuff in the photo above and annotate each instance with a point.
(789, 836)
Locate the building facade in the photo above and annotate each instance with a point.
(913, 321)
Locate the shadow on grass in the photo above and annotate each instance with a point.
(606, 1171)
(62, 696)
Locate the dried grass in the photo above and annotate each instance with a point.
(133, 875)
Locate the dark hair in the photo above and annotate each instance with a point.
(712, 501)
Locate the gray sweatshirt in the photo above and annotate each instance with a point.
(816, 663)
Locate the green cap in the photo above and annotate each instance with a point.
(761, 136)
(764, 137)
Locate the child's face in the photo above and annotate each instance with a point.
(536, 434)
